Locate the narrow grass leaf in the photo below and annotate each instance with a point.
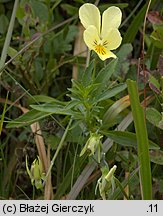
(135, 25)
(142, 139)
(9, 35)
(65, 184)
(3, 114)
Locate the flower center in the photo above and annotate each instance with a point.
(100, 48)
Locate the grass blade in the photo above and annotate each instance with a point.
(135, 25)
(3, 114)
(142, 139)
(9, 35)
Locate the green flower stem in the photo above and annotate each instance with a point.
(87, 118)
(88, 58)
(94, 70)
(33, 193)
(58, 149)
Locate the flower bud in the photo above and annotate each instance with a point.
(106, 181)
(36, 173)
(92, 143)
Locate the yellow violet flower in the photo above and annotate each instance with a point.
(101, 36)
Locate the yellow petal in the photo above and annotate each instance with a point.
(108, 54)
(111, 18)
(92, 40)
(91, 37)
(89, 15)
(113, 39)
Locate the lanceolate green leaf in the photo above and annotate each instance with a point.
(86, 78)
(114, 110)
(157, 37)
(45, 99)
(111, 92)
(105, 74)
(28, 118)
(41, 111)
(154, 54)
(53, 108)
(129, 139)
(142, 139)
(156, 156)
(153, 116)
